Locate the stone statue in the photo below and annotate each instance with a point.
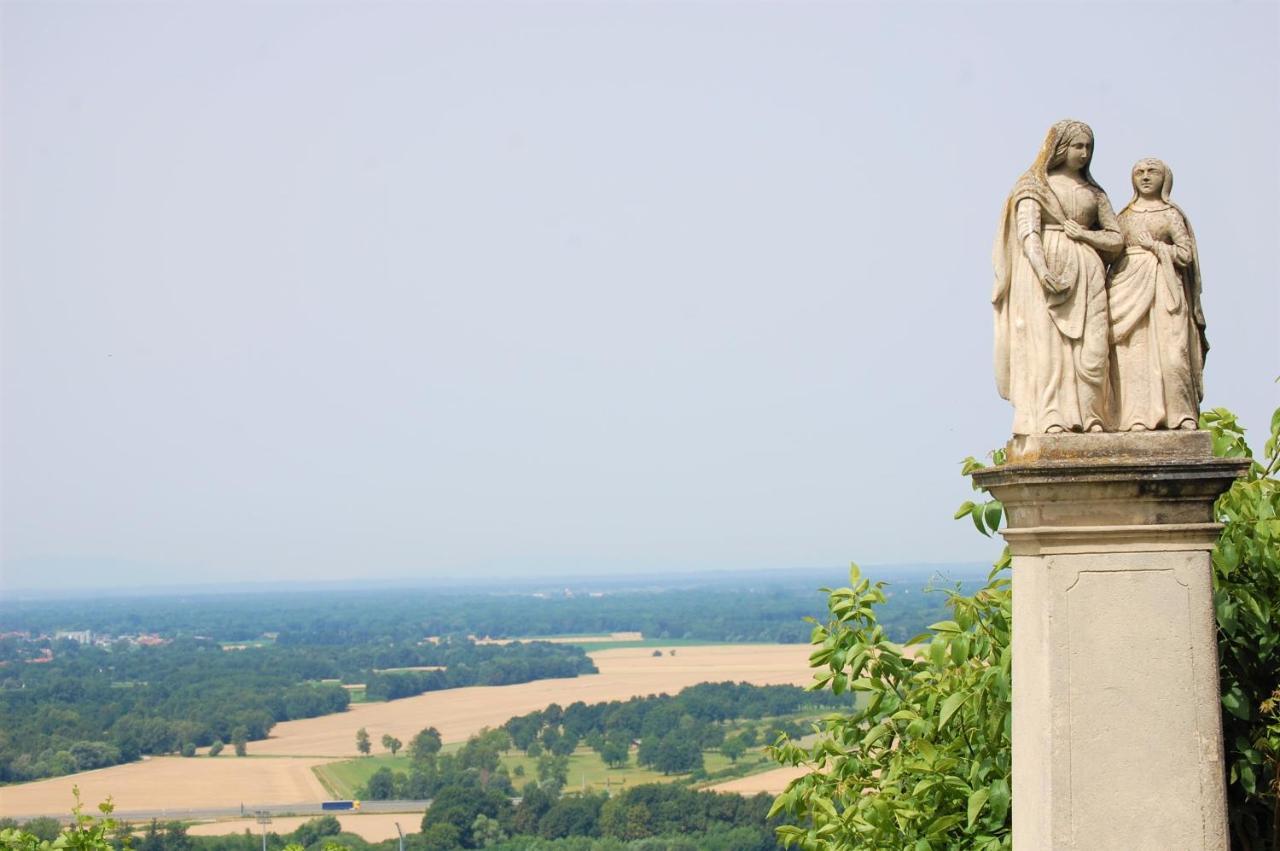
(1157, 325)
(1052, 332)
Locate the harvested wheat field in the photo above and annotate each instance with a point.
(374, 827)
(172, 783)
(228, 781)
(457, 713)
(773, 782)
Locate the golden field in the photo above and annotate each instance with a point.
(458, 713)
(374, 827)
(228, 781)
(172, 782)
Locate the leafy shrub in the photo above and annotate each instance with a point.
(925, 760)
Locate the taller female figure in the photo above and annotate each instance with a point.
(1156, 321)
(1050, 295)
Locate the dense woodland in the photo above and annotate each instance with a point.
(93, 706)
(745, 609)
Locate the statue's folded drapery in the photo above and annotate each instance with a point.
(1052, 350)
(1157, 327)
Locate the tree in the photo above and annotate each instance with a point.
(733, 747)
(553, 770)
(925, 756)
(425, 744)
(239, 740)
(391, 743)
(678, 752)
(216, 747)
(362, 741)
(486, 831)
(381, 785)
(575, 815)
(616, 751)
(1246, 582)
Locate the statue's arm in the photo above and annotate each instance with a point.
(1182, 248)
(1107, 238)
(1028, 211)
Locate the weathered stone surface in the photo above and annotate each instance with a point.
(1098, 321)
(1120, 446)
(1116, 721)
(1158, 342)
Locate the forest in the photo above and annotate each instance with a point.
(732, 608)
(91, 706)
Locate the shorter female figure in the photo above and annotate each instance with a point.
(1153, 296)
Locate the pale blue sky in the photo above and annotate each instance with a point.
(304, 290)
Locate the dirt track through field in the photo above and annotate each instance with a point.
(177, 783)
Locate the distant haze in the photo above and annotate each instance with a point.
(302, 291)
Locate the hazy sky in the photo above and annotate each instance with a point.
(328, 290)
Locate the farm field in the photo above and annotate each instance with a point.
(773, 781)
(172, 782)
(228, 781)
(457, 713)
(374, 827)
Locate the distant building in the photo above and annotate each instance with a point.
(79, 636)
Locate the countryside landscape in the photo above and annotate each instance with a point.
(196, 714)
(611, 426)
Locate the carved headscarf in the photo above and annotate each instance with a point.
(1034, 183)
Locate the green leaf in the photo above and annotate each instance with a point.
(965, 507)
(976, 802)
(950, 706)
(992, 513)
(945, 626)
(978, 523)
(943, 824)
(877, 733)
(1234, 703)
(1000, 798)
(1248, 779)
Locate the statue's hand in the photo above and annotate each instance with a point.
(1073, 230)
(1053, 285)
(1145, 240)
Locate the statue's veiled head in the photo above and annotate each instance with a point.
(1152, 179)
(1070, 144)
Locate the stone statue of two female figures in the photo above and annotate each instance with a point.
(1098, 319)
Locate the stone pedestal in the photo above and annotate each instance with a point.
(1117, 738)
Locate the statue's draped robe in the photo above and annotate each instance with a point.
(1157, 327)
(1051, 354)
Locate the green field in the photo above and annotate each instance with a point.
(587, 771)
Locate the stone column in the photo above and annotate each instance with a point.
(1117, 736)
